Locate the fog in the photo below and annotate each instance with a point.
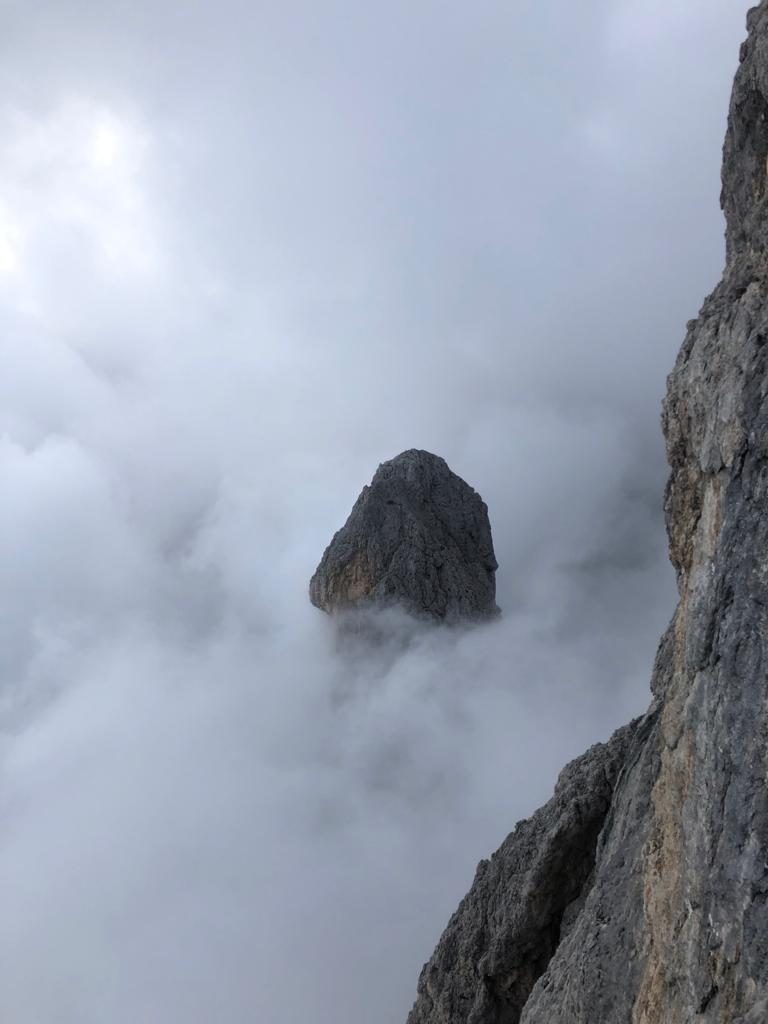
(247, 252)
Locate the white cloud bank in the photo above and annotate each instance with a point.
(245, 255)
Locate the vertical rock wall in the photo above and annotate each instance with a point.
(670, 926)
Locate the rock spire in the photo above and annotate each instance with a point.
(418, 537)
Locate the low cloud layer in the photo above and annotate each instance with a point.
(247, 252)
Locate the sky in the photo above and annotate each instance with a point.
(248, 251)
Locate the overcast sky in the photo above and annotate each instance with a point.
(247, 252)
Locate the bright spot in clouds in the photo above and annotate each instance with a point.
(76, 202)
(106, 145)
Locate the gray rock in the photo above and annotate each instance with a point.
(500, 940)
(419, 538)
(671, 926)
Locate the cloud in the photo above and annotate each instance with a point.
(246, 254)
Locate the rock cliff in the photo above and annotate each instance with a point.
(418, 537)
(639, 894)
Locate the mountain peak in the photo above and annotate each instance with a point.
(418, 537)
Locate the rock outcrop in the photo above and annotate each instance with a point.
(418, 538)
(664, 918)
(523, 900)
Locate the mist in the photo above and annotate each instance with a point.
(248, 252)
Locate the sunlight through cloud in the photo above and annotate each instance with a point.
(106, 145)
(75, 188)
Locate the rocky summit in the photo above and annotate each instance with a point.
(418, 537)
(639, 893)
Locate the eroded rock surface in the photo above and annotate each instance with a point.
(418, 537)
(523, 900)
(671, 926)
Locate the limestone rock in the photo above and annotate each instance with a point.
(671, 926)
(418, 537)
(506, 929)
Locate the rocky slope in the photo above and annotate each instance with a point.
(639, 894)
(418, 537)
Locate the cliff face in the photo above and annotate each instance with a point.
(662, 917)
(417, 537)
